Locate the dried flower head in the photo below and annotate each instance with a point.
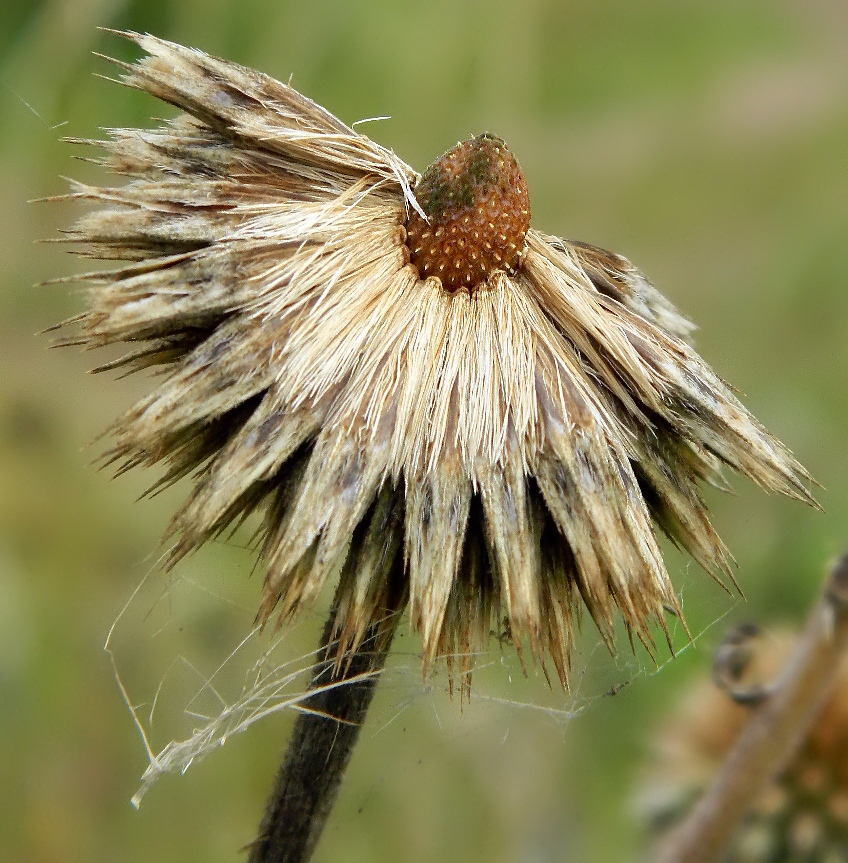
(803, 815)
(413, 384)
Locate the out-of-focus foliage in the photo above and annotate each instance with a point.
(706, 141)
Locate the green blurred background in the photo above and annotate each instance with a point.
(707, 141)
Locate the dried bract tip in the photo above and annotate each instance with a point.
(478, 213)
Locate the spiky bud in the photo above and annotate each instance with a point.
(803, 815)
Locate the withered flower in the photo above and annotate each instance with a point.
(403, 374)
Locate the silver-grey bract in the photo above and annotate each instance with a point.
(505, 450)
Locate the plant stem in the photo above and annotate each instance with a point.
(776, 730)
(321, 745)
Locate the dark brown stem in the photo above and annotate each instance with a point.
(321, 745)
(776, 730)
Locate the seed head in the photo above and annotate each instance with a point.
(478, 212)
(491, 442)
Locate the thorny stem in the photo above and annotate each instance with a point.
(776, 730)
(321, 746)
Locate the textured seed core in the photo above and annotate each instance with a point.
(476, 201)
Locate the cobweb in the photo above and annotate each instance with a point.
(195, 671)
